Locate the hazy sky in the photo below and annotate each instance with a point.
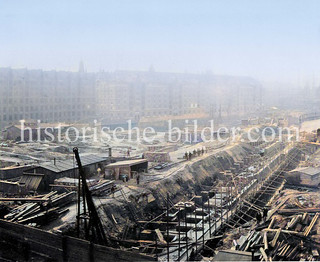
(266, 39)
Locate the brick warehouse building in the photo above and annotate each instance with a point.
(52, 96)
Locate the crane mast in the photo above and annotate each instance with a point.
(94, 230)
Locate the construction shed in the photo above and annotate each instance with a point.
(13, 171)
(308, 176)
(128, 167)
(28, 183)
(68, 168)
(9, 188)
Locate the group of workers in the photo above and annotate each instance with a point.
(198, 152)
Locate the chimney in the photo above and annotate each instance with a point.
(110, 152)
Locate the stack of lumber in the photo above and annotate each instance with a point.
(97, 188)
(102, 188)
(41, 212)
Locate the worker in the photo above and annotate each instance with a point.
(190, 155)
(202, 151)
(194, 152)
(112, 190)
(198, 152)
(192, 255)
(138, 179)
(128, 153)
(265, 214)
(258, 217)
(186, 155)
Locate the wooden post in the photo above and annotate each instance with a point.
(156, 240)
(209, 217)
(185, 220)
(195, 230)
(227, 205)
(78, 205)
(221, 210)
(215, 212)
(202, 224)
(179, 234)
(167, 226)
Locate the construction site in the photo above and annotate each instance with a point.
(159, 130)
(235, 200)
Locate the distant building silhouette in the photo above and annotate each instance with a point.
(116, 97)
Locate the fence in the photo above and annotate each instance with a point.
(22, 243)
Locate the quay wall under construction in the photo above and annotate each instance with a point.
(21, 242)
(197, 175)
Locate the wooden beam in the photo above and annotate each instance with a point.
(298, 210)
(265, 257)
(275, 239)
(22, 199)
(265, 241)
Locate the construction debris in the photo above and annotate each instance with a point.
(285, 237)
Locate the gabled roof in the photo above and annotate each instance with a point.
(61, 166)
(127, 163)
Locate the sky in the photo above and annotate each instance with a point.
(271, 40)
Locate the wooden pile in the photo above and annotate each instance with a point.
(283, 239)
(41, 212)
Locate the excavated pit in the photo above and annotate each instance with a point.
(148, 200)
(180, 186)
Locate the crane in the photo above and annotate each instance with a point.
(94, 231)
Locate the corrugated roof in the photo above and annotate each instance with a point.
(65, 165)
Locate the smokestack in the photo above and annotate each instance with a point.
(110, 152)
